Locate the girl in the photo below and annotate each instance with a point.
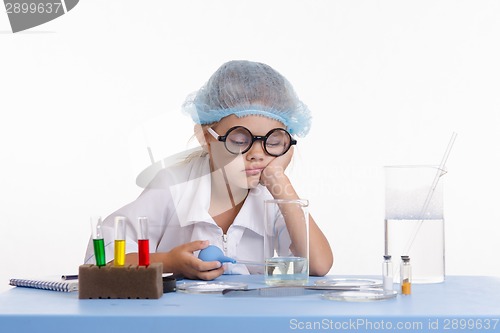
(245, 116)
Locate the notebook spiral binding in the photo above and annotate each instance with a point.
(46, 285)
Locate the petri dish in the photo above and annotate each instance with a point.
(350, 283)
(209, 287)
(364, 295)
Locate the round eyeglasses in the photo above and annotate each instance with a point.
(239, 140)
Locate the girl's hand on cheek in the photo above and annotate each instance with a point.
(275, 170)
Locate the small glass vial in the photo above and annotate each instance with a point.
(387, 273)
(405, 271)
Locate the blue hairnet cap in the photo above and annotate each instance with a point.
(246, 88)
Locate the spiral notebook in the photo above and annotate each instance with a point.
(46, 284)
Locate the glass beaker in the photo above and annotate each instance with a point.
(286, 242)
(414, 222)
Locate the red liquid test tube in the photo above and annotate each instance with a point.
(143, 252)
(143, 241)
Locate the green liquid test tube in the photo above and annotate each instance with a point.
(98, 240)
(100, 256)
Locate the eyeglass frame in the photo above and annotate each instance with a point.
(263, 138)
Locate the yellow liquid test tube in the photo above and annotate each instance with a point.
(119, 252)
(120, 232)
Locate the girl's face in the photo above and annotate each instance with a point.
(242, 170)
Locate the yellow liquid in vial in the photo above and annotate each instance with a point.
(119, 252)
(406, 288)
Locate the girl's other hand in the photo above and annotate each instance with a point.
(181, 260)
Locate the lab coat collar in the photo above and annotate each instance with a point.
(251, 215)
(193, 201)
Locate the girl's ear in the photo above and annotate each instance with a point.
(200, 134)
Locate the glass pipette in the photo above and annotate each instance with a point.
(214, 253)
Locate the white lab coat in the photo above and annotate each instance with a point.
(176, 203)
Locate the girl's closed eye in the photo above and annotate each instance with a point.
(239, 140)
(274, 143)
(242, 143)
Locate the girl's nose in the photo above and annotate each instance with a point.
(256, 152)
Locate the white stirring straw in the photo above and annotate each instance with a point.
(427, 201)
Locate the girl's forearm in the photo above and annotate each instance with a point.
(320, 252)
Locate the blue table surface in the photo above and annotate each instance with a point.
(448, 305)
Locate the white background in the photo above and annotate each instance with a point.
(388, 82)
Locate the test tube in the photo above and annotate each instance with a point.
(143, 241)
(98, 240)
(120, 233)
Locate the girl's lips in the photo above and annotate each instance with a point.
(253, 171)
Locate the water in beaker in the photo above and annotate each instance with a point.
(414, 222)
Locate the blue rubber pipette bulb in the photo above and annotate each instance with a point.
(213, 253)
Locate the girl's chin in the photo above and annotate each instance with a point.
(252, 183)
(246, 183)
